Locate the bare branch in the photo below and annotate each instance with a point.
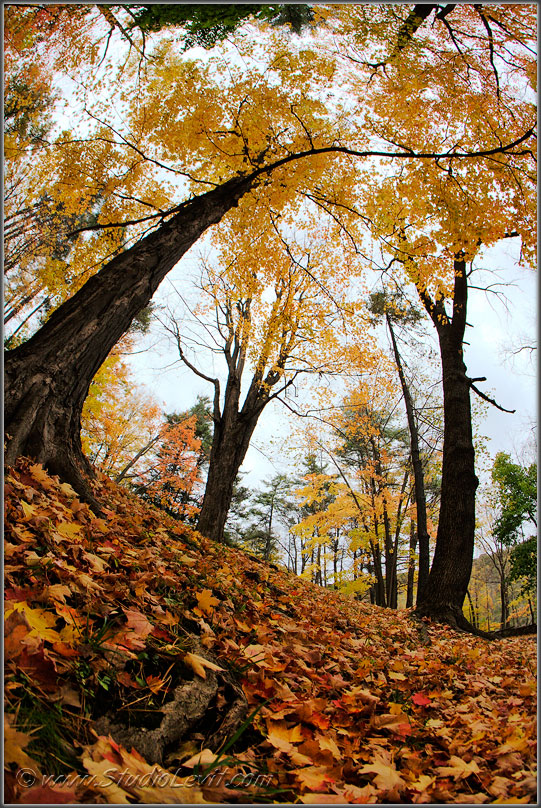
(487, 398)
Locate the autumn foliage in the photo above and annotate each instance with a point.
(109, 621)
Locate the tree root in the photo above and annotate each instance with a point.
(456, 620)
(191, 702)
(453, 618)
(519, 631)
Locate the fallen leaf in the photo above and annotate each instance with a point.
(206, 601)
(458, 768)
(199, 663)
(387, 778)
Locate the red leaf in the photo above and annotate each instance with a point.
(421, 700)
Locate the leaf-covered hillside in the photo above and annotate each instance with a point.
(152, 666)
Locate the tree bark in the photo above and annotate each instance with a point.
(447, 583)
(47, 378)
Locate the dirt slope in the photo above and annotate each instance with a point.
(146, 665)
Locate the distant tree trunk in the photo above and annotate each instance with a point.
(472, 610)
(48, 377)
(379, 586)
(504, 602)
(418, 475)
(447, 584)
(411, 565)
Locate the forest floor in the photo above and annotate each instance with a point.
(145, 664)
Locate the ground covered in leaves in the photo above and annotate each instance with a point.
(145, 664)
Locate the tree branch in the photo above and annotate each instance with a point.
(487, 398)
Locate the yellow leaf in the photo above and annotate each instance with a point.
(282, 737)
(206, 601)
(326, 742)
(423, 782)
(14, 744)
(40, 622)
(199, 663)
(39, 474)
(28, 510)
(313, 778)
(68, 530)
(67, 490)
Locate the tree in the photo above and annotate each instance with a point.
(169, 481)
(175, 459)
(271, 321)
(267, 507)
(119, 418)
(435, 222)
(237, 145)
(516, 487)
(206, 25)
(393, 312)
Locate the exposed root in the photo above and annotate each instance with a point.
(520, 631)
(452, 617)
(191, 702)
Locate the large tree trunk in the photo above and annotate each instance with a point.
(47, 378)
(447, 583)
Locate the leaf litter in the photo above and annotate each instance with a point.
(219, 663)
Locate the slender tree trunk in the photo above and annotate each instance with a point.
(379, 589)
(447, 584)
(418, 475)
(472, 610)
(47, 378)
(411, 565)
(390, 562)
(504, 601)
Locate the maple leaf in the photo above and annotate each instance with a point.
(421, 700)
(39, 621)
(314, 778)
(14, 744)
(206, 602)
(283, 737)
(327, 743)
(69, 530)
(387, 778)
(198, 664)
(458, 768)
(39, 474)
(28, 510)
